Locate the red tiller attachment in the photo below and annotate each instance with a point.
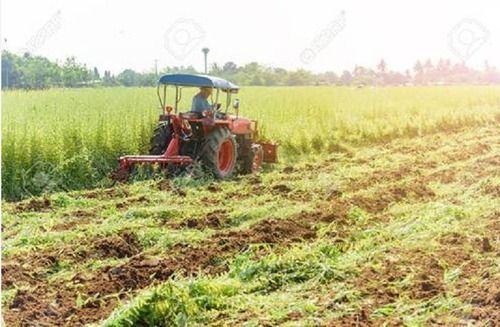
(270, 152)
(171, 155)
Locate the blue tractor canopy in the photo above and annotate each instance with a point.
(195, 80)
(179, 81)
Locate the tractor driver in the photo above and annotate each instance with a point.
(200, 100)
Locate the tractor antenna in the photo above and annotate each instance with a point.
(205, 52)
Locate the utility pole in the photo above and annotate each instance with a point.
(156, 67)
(205, 52)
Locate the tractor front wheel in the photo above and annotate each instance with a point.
(219, 153)
(160, 139)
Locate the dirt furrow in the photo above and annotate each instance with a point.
(58, 304)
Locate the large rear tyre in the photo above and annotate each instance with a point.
(219, 153)
(160, 139)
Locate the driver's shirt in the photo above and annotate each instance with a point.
(200, 104)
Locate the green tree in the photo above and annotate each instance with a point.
(300, 77)
(229, 68)
(96, 75)
(346, 78)
(75, 74)
(10, 70)
(129, 78)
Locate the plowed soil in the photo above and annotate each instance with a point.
(89, 296)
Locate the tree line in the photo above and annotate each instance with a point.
(36, 72)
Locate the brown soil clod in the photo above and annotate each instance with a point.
(493, 190)
(276, 231)
(486, 245)
(335, 211)
(81, 213)
(215, 220)
(495, 298)
(21, 300)
(254, 179)
(378, 283)
(75, 218)
(429, 282)
(281, 188)
(272, 231)
(132, 200)
(115, 192)
(119, 246)
(68, 225)
(485, 301)
(167, 185)
(34, 205)
(386, 196)
(427, 286)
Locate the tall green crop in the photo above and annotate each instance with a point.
(69, 139)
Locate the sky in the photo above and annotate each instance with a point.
(314, 35)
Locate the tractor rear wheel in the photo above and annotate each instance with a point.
(219, 153)
(252, 163)
(160, 139)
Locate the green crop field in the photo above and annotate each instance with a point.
(383, 210)
(73, 137)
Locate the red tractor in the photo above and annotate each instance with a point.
(224, 143)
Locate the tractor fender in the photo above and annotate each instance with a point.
(209, 124)
(242, 126)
